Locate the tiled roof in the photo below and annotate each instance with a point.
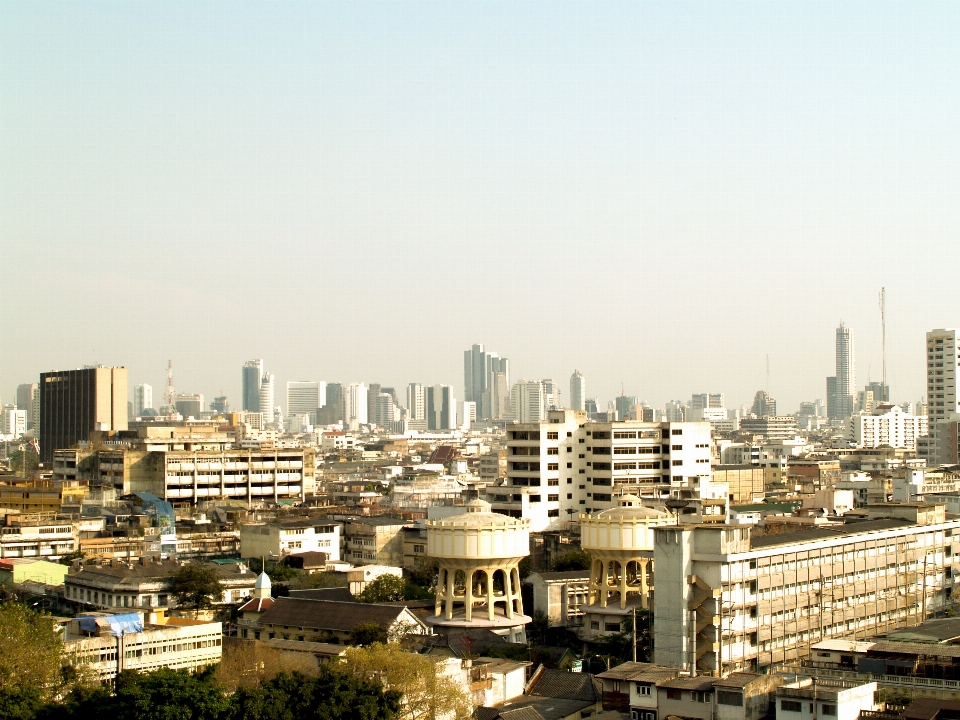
(256, 605)
(625, 671)
(736, 680)
(565, 685)
(341, 593)
(328, 614)
(689, 683)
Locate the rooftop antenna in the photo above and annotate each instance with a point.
(883, 340)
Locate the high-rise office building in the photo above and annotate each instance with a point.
(357, 403)
(190, 405)
(266, 404)
(305, 396)
(441, 408)
(220, 405)
(764, 405)
(74, 403)
(252, 379)
(841, 388)
(551, 395)
(386, 414)
(28, 400)
(578, 391)
(142, 399)
(526, 402)
(373, 392)
(416, 402)
(703, 401)
(334, 411)
(624, 405)
(479, 384)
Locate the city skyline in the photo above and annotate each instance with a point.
(562, 149)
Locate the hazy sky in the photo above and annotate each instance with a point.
(659, 194)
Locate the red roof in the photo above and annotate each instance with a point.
(256, 605)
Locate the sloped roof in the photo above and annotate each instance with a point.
(328, 614)
(256, 605)
(339, 593)
(565, 685)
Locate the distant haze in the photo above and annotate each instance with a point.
(657, 194)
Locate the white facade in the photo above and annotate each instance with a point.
(886, 425)
(305, 396)
(266, 397)
(578, 391)
(564, 465)
(278, 540)
(357, 403)
(416, 402)
(469, 415)
(14, 423)
(142, 399)
(843, 700)
(527, 402)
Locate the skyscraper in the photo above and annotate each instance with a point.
(625, 405)
(416, 402)
(841, 388)
(265, 401)
(372, 393)
(478, 369)
(252, 379)
(357, 403)
(578, 391)
(526, 401)
(28, 399)
(764, 405)
(142, 399)
(305, 396)
(74, 403)
(441, 408)
(335, 409)
(551, 395)
(189, 405)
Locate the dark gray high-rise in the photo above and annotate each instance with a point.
(482, 385)
(74, 403)
(252, 378)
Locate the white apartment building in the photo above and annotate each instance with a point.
(729, 601)
(564, 465)
(259, 540)
(49, 541)
(108, 644)
(305, 396)
(886, 425)
(416, 402)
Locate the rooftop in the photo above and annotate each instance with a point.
(328, 614)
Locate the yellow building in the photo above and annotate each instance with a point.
(37, 496)
(14, 571)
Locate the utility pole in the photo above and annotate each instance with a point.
(634, 633)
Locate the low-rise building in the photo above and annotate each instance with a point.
(108, 644)
(809, 699)
(144, 583)
(331, 621)
(561, 596)
(42, 536)
(277, 540)
(375, 541)
(14, 571)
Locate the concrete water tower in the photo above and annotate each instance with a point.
(620, 544)
(478, 583)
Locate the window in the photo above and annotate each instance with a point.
(569, 464)
(553, 451)
(785, 705)
(829, 709)
(553, 436)
(611, 627)
(677, 431)
(729, 698)
(595, 625)
(676, 447)
(601, 497)
(569, 449)
(677, 463)
(673, 694)
(702, 697)
(553, 466)
(644, 689)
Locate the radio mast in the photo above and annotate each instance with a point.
(883, 341)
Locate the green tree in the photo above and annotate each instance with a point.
(20, 702)
(386, 588)
(333, 694)
(424, 575)
(196, 586)
(539, 627)
(30, 654)
(525, 567)
(24, 462)
(426, 690)
(572, 560)
(368, 634)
